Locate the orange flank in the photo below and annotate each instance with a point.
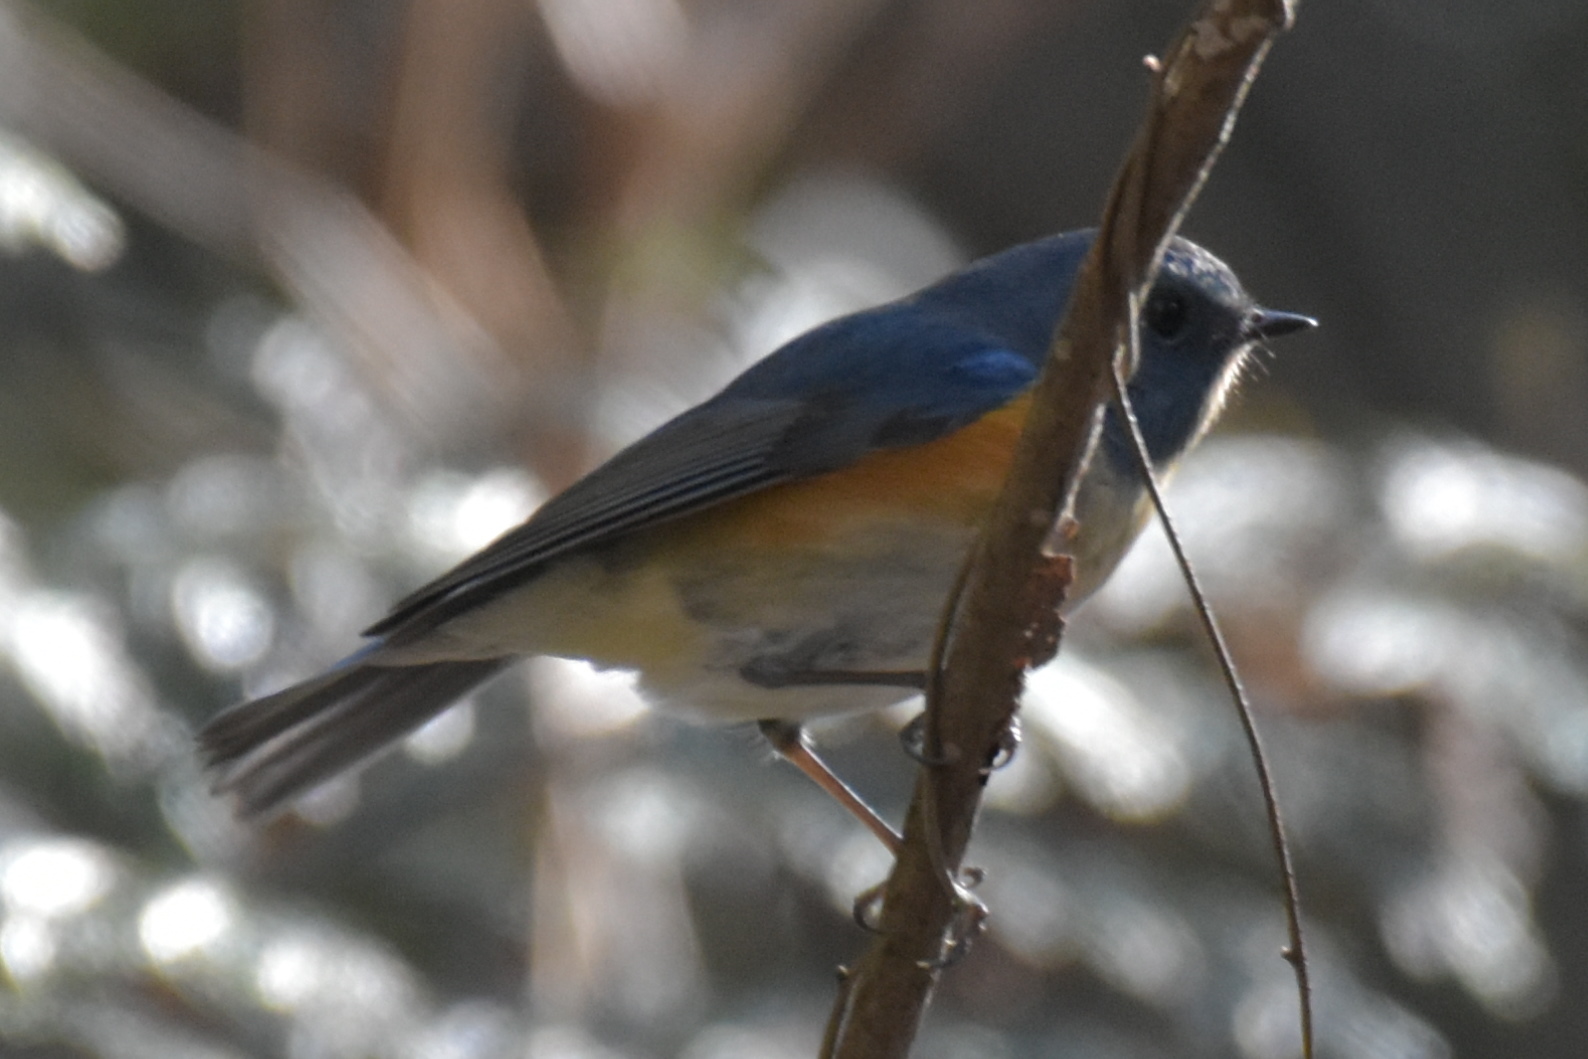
(951, 480)
(772, 559)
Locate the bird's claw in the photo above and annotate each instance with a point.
(970, 919)
(912, 738)
(867, 909)
(1008, 743)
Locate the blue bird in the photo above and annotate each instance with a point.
(799, 530)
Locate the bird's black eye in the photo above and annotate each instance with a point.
(1166, 313)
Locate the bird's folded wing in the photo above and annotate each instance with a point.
(743, 440)
(704, 457)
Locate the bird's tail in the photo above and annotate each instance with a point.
(268, 751)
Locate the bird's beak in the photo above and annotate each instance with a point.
(1270, 323)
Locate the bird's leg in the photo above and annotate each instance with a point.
(793, 746)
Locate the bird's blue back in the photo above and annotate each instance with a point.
(968, 343)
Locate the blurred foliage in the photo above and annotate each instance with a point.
(301, 301)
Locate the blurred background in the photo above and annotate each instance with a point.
(301, 301)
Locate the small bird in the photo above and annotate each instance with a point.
(798, 532)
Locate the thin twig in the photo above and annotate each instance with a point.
(840, 1013)
(1295, 953)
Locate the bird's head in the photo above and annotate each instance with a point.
(1199, 330)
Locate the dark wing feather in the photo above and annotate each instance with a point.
(720, 450)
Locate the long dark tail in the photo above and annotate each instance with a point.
(268, 751)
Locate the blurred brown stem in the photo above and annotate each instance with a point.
(433, 364)
(1196, 92)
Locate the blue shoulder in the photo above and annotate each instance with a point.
(920, 368)
(902, 374)
(897, 356)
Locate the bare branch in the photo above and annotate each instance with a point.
(1196, 92)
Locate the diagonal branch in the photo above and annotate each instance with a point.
(1004, 617)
